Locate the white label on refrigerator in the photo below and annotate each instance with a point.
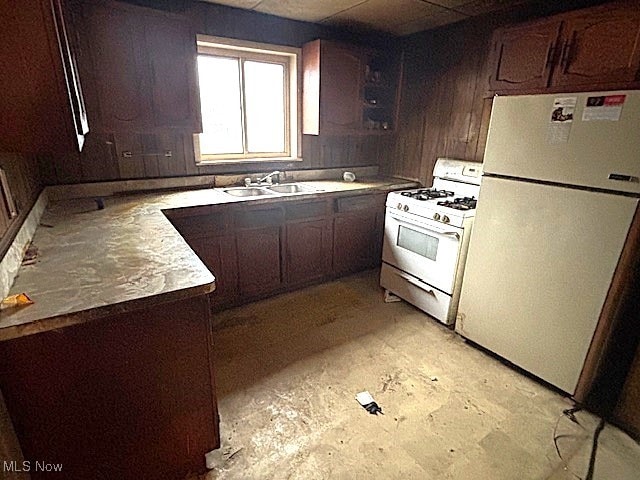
(603, 108)
(561, 119)
(563, 108)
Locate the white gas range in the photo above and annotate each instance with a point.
(426, 238)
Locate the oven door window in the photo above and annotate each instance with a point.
(418, 242)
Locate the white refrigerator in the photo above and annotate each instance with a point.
(559, 192)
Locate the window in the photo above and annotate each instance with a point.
(249, 101)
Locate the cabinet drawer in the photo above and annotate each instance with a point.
(265, 217)
(306, 210)
(214, 224)
(360, 202)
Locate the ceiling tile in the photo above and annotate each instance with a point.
(479, 7)
(400, 17)
(383, 14)
(448, 3)
(310, 11)
(442, 18)
(246, 4)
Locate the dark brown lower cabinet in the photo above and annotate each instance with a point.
(258, 238)
(209, 233)
(259, 261)
(354, 242)
(357, 233)
(260, 250)
(129, 396)
(308, 250)
(627, 412)
(219, 255)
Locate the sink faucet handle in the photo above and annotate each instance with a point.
(268, 178)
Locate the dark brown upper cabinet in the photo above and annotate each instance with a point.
(142, 67)
(43, 111)
(348, 89)
(595, 48)
(600, 49)
(523, 55)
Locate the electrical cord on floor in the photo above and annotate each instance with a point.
(570, 414)
(594, 449)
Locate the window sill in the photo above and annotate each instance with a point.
(230, 161)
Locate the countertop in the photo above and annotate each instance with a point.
(93, 263)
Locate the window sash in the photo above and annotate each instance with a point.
(243, 52)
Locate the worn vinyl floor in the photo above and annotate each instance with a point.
(288, 369)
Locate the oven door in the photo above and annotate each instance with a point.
(422, 247)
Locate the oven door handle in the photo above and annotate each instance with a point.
(455, 234)
(417, 283)
(424, 229)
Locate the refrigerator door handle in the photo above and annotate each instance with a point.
(623, 178)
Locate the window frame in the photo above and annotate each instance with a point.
(252, 51)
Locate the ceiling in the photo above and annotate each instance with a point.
(398, 17)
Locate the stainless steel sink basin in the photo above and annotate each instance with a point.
(247, 191)
(269, 190)
(292, 188)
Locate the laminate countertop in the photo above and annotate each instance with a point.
(94, 262)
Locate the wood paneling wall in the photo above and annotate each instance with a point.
(443, 111)
(102, 157)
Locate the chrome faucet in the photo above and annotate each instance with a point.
(268, 178)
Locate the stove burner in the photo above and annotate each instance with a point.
(460, 203)
(427, 194)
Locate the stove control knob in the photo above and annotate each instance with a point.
(445, 219)
(406, 208)
(399, 206)
(436, 216)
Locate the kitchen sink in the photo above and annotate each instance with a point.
(247, 191)
(267, 190)
(292, 188)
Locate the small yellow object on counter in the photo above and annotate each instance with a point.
(17, 300)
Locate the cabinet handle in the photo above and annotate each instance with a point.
(566, 50)
(550, 54)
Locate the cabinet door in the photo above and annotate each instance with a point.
(258, 260)
(600, 49)
(219, 255)
(171, 47)
(354, 242)
(308, 250)
(522, 56)
(144, 69)
(342, 74)
(116, 40)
